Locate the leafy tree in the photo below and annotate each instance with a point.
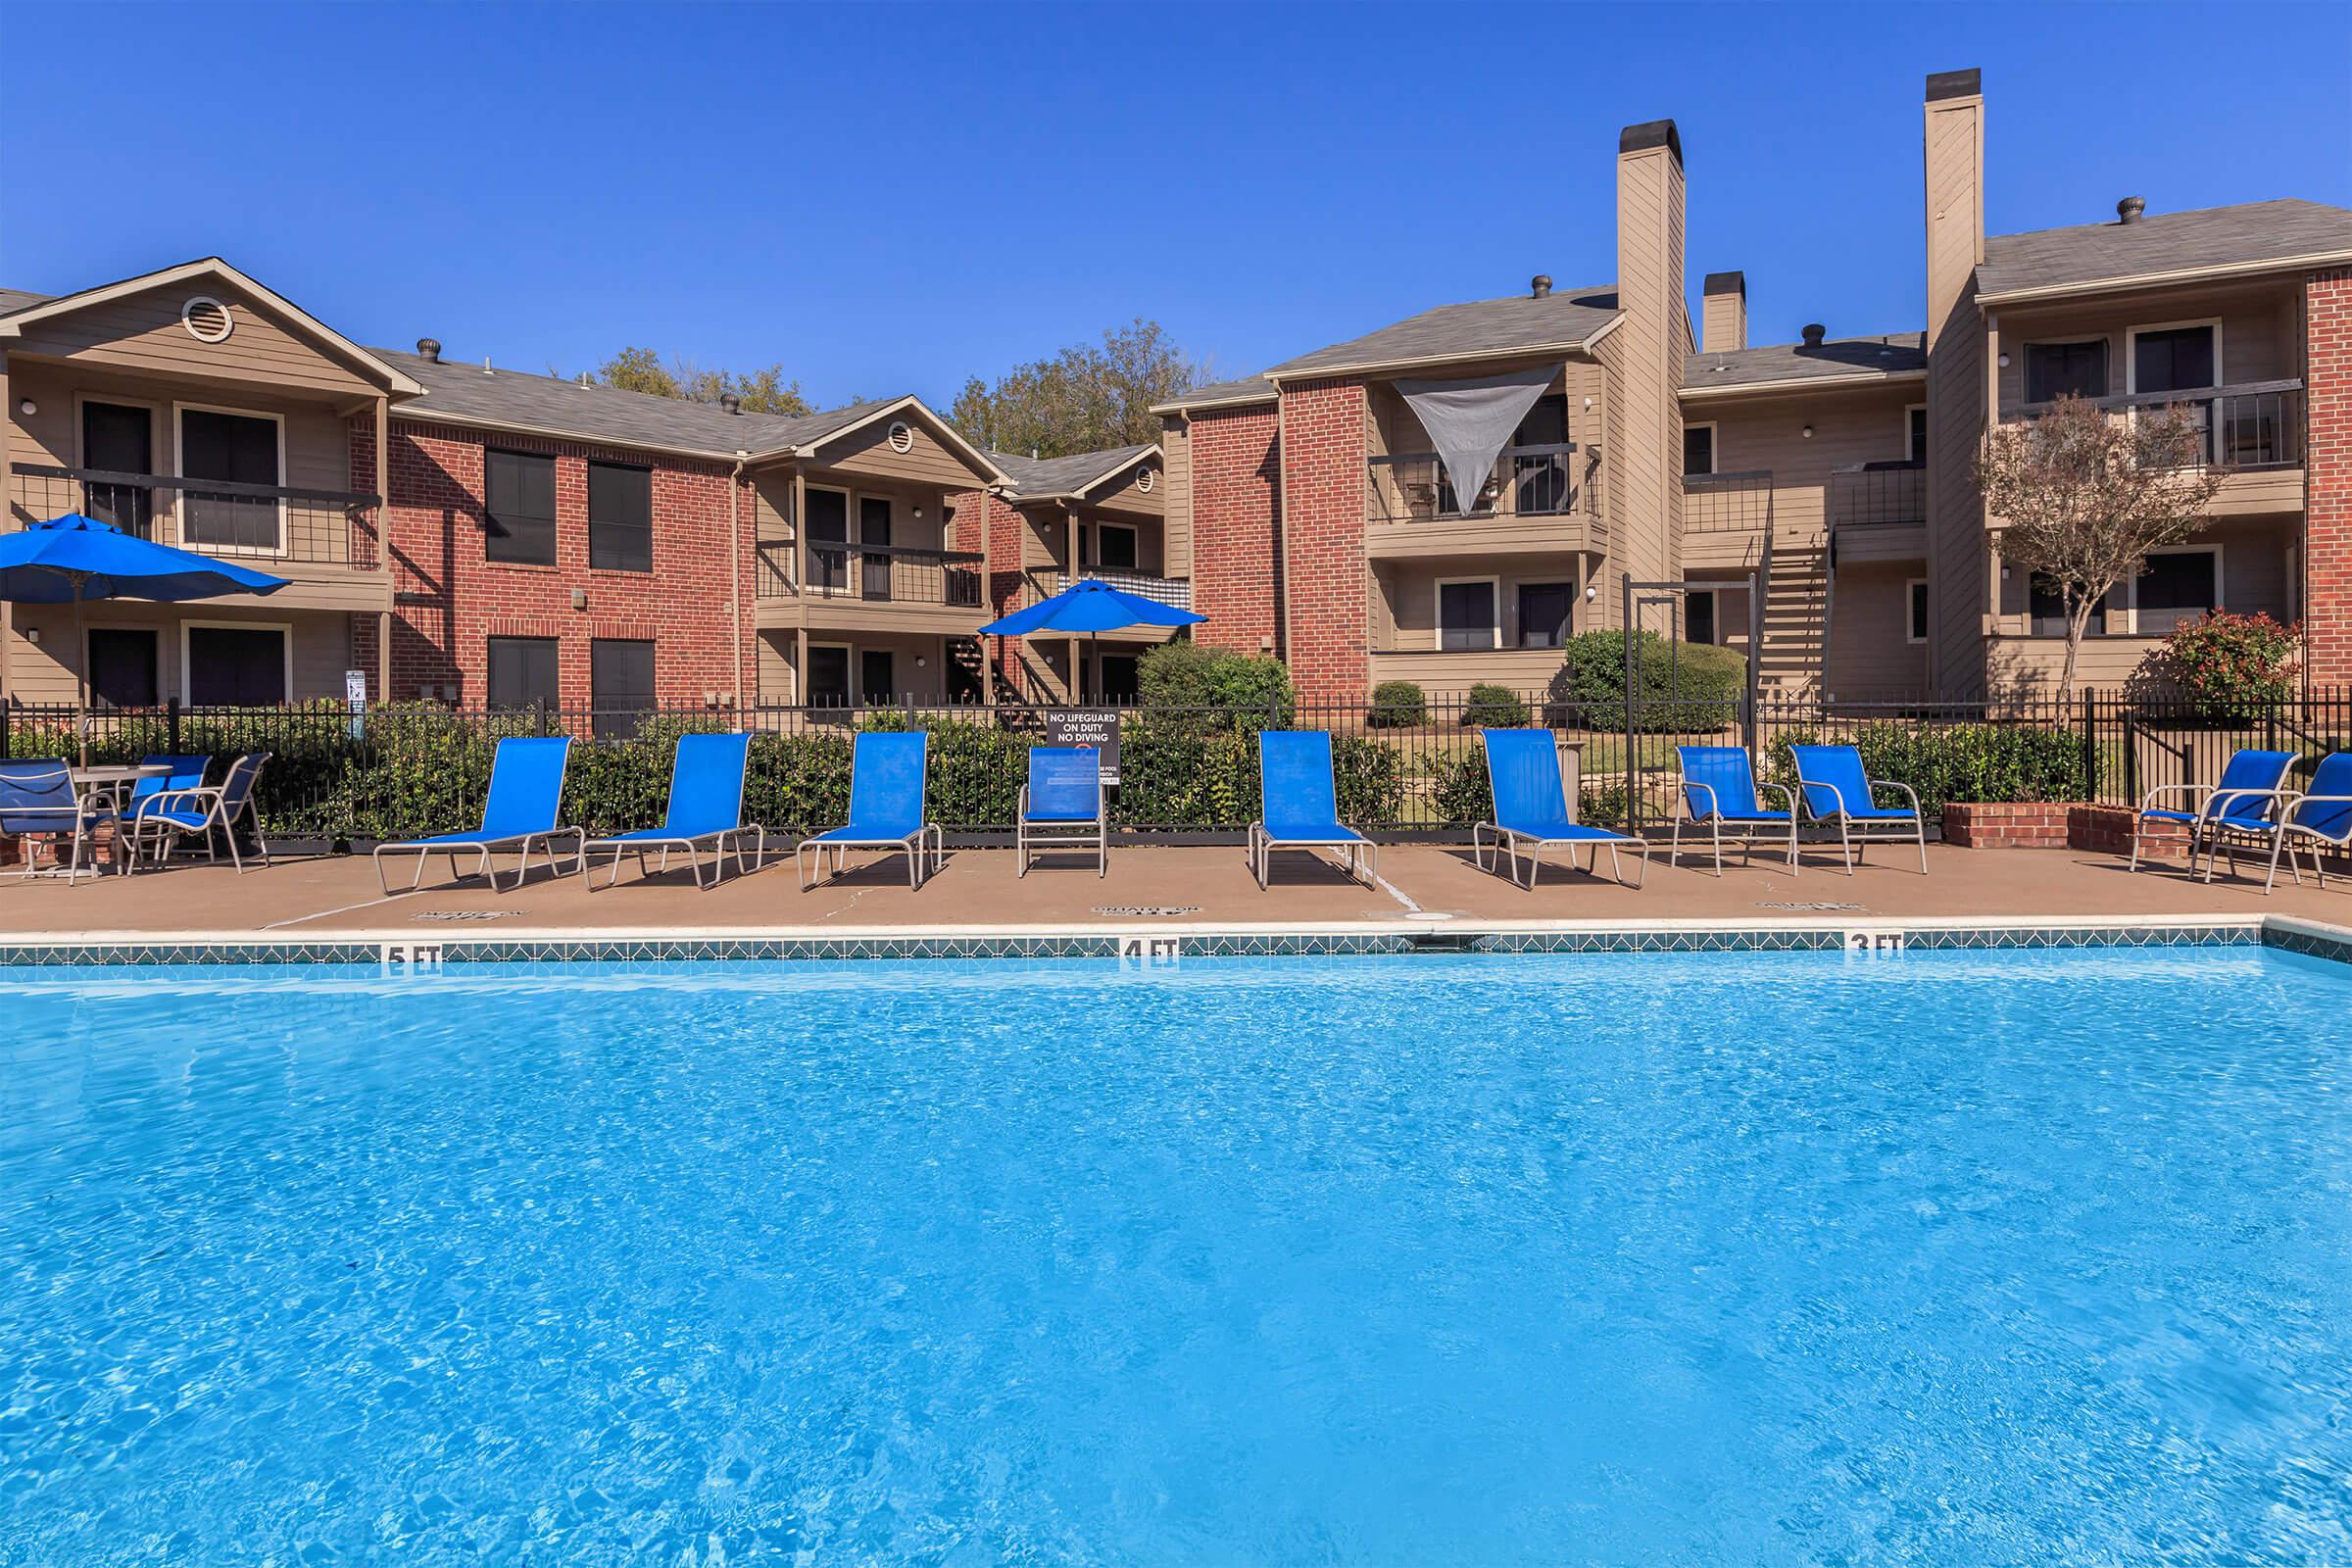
(1083, 399)
(763, 391)
(2082, 496)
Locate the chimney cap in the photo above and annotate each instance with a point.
(1814, 332)
(1943, 85)
(1727, 283)
(730, 402)
(1650, 133)
(429, 349)
(2128, 209)
(1539, 287)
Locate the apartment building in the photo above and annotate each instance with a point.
(1444, 498)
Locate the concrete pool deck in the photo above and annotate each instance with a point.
(1432, 887)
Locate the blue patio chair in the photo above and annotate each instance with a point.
(37, 801)
(1719, 788)
(1298, 806)
(705, 808)
(157, 820)
(2322, 817)
(1061, 806)
(887, 773)
(1835, 790)
(2237, 809)
(1531, 808)
(182, 773)
(526, 794)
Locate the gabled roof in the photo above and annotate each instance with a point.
(1562, 321)
(1835, 361)
(14, 321)
(2162, 247)
(1053, 478)
(1221, 394)
(12, 300)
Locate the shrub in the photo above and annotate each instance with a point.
(1690, 687)
(1397, 705)
(2230, 667)
(1969, 762)
(1491, 707)
(1187, 674)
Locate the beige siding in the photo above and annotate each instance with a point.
(1405, 598)
(144, 332)
(867, 453)
(1649, 288)
(1176, 484)
(2257, 577)
(1870, 653)
(317, 443)
(1769, 432)
(47, 672)
(1956, 392)
(2261, 336)
(1130, 495)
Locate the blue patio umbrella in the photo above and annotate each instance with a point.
(74, 559)
(1090, 607)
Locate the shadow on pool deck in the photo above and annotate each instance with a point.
(978, 889)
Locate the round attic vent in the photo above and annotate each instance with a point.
(207, 319)
(902, 437)
(1144, 480)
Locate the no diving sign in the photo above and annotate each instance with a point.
(1098, 727)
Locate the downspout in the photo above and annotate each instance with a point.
(735, 570)
(1282, 534)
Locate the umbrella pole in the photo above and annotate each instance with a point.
(81, 662)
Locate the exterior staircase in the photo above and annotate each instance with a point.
(1796, 609)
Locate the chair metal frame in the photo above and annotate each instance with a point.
(85, 818)
(211, 802)
(1856, 834)
(1047, 834)
(1765, 830)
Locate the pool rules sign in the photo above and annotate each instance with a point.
(1098, 727)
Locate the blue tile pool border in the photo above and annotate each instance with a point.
(2295, 936)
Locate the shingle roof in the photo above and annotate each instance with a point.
(1837, 359)
(12, 300)
(1246, 389)
(1564, 320)
(1036, 477)
(2161, 242)
(465, 393)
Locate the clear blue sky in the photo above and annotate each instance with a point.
(891, 197)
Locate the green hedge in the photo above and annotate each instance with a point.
(1397, 705)
(1685, 687)
(1967, 762)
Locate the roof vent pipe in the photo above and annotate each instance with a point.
(2128, 209)
(429, 349)
(1814, 332)
(1539, 287)
(730, 402)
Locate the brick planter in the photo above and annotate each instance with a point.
(2006, 825)
(2108, 830)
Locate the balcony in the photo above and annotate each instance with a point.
(2253, 428)
(1536, 498)
(1176, 592)
(871, 586)
(1879, 512)
(1726, 517)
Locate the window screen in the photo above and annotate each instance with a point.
(522, 671)
(2055, 370)
(1466, 615)
(520, 501)
(620, 518)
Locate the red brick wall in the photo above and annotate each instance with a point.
(1323, 530)
(987, 524)
(1236, 525)
(2327, 517)
(2005, 827)
(450, 600)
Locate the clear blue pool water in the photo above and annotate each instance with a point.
(1965, 1259)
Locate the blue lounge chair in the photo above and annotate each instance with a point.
(1834, 789)
(705, 808)
(157, 821)
(526, 793)
(181, 772)
(1298, 806)
(1061, 805)
(1531, 808)
(1719, 789)
(2322, 817)
(37, 801)
(885, 806)
(2237, 809)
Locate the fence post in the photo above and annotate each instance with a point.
(2130, 759)
(171, 724)
(543, 716)
(4, 736)
(2090, 746)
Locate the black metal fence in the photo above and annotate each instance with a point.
(1401, 772)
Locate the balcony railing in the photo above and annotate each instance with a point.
(1174, 591)
(875, 573)
(2253, 425)
(1878, 495)
(1531, 481)
(1727, 503)
(213, 516)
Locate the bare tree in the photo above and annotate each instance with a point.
(2083, 495)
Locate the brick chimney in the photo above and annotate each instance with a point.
(1958, 568)
(1724, 325)
(1646, 411)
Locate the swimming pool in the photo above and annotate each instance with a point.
(1963, 1257)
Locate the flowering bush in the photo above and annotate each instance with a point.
(2230, 667)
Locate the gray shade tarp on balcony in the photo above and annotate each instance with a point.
(1470, 422)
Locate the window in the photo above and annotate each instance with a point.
(520, 495)
(1466, 615)
(1698, 448)
(621, 685)
(234, 667)
(238, 449)
(2049, 610)
(2178, 585)
(119, 438)
(522, 671)
(2172, 359)
(620, 518)
(828, 676)
(2055, 370)
(1114, 547)
(873, 528)
(878, 675)
(1698, 616)
(1915, 434)
(1915, 622)
(1544, 611)
(122, 667)
(826, 531)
